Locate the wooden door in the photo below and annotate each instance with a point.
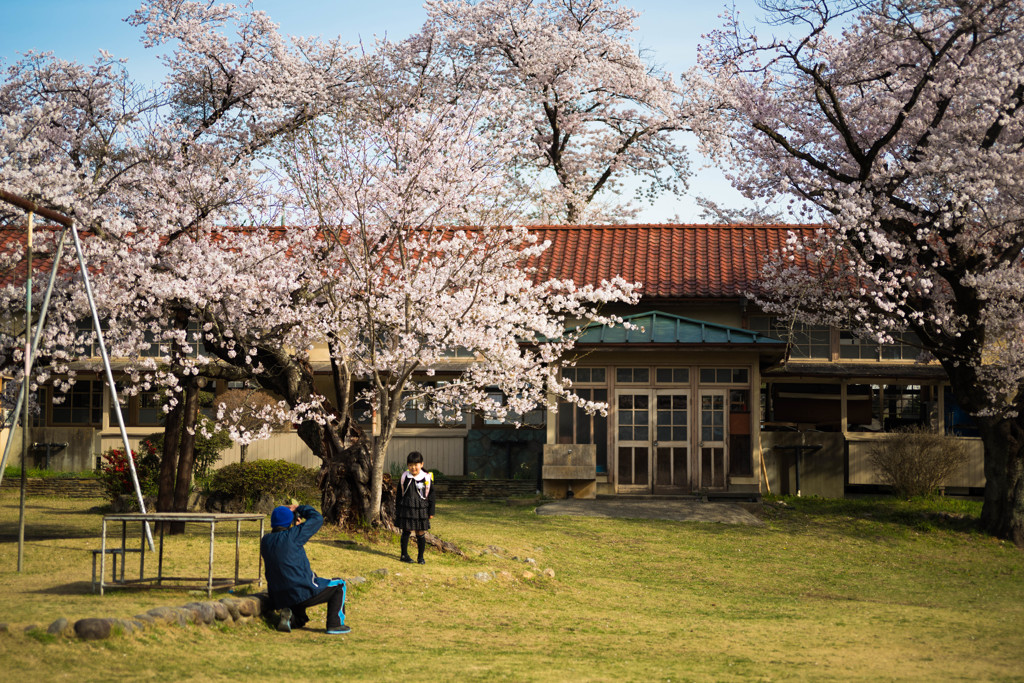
(633, 441)
(713, 436)
(671, 440)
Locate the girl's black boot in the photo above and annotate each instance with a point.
(405, 547)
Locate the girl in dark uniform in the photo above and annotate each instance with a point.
(415, 505)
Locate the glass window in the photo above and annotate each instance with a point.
(576, 426)
(585, 375)
(905, 347)
(150, 408)
(854, 348)
(458, 352)
(724, 376)
(672, 376)
(415, 411)
(634, 417)
(82, 404)
(887, 407)
(632, 375)
(805, 341)
(673, 417)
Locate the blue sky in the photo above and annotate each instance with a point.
(78, 29)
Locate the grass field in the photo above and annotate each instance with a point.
(825, 590)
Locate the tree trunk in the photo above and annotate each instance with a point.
(242, 452)
(186, 451)
(1002, 513)
(169, 460)
(345, 480)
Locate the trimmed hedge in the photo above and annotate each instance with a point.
(250, 480)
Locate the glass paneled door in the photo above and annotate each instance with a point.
(633, 441)
(671, 440)
(652, 431)
(713, 465)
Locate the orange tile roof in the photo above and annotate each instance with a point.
(672, 261)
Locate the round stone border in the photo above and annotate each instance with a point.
(228, 610)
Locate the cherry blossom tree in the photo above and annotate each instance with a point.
(416, 312)
(899, 122)
(149, 174)
(378, 176)
(588, 110)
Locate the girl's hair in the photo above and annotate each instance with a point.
(415, 456)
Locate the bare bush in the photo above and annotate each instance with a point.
(915, 461)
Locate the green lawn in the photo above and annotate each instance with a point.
(826, 590)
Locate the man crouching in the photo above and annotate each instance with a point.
(292, 584)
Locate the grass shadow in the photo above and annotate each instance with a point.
(353, 546)
(849, 515)
(73, 588)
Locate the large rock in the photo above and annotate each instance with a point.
(265, 504)
(219, 502)
(249, 607)
(220, 611)
(232, 606)
(197, 501)
(164, 614)
(127, 502)
(93, 628)
(203, 611)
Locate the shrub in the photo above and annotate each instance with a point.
(117, 477)
(915, 461)
(249, 480)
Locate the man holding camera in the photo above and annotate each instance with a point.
(292, 584)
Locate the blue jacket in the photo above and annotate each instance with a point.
(290, 579)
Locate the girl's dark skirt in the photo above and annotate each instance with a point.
(411, 513)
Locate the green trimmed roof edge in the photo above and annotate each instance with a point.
(657, 327)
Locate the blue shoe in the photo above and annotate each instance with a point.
(339, 630)
(284, 623)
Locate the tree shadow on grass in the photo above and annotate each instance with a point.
(36, 531)
(73, 588)
(354, 546)
(850, 515)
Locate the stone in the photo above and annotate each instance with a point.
(92, 628)
(356, 580)
(483, 576)
(246, 607)
(164, 614)
(529, 575)
(380, 572)
(126, 626)
(265, 504)
(220, 611)
(144, 620)
(58, 627)
(197, 501)
(232, 606)
(250, 607)
(549, 573)
(205, 614)
(4, 628)
(530, 560)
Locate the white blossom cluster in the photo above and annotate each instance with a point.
(898, 124)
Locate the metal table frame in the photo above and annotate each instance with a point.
(210, 518)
